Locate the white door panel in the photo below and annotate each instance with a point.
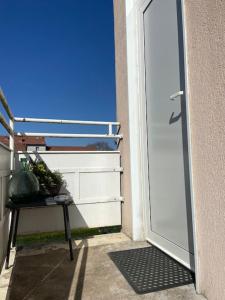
(170, 201)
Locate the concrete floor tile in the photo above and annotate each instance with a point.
(46, 273)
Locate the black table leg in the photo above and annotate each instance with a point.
(10, 239)
(65, 226)
(16, 226)
(68, 231)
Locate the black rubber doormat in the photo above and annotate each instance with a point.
(149, 269)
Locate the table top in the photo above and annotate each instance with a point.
(42, 202)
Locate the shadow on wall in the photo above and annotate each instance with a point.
(38, 159)
(48, 218)
(182, 116)
(4, 229)
(184, 134)
(49, 275)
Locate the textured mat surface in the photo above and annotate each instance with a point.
(149, 269)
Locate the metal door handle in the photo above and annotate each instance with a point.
(177, 94)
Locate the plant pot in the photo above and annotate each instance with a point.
(54, 190)
(23, 187)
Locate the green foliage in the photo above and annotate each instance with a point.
(50, 182)
(79, 233)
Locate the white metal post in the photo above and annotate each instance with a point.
(110, 129)
(11, 144)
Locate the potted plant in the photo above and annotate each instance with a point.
(23, 185)
(50, 182)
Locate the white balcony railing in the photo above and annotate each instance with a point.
(93, 177)
(9, 127)
(108, 134)
(6, 158)
(112, 128)
(93, 182)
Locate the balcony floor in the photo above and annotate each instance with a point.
(45, 273)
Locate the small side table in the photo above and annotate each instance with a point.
(62, 200)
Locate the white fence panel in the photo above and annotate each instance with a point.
(4, 216)
(93, 181)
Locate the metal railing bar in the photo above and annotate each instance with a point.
(89, 201)
(5, 105)
(88, 170)
(83, 201)
(58, 121)
(4, 146)
(70, 151)
(5, 125)
(70, 135)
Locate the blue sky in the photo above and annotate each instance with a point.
(57, 61)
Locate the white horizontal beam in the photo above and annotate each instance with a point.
(95, 200)
(70, 135)
(5, 105)
(56, 121)
(6, 125)
(88, 170)
(47, 152)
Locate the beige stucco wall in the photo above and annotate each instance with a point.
(205, 25)
(205, 45)
(122, 109)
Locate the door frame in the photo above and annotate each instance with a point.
(138, 129)
(181, 255)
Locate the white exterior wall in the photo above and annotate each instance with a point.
(93, 181)
(4, 177)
